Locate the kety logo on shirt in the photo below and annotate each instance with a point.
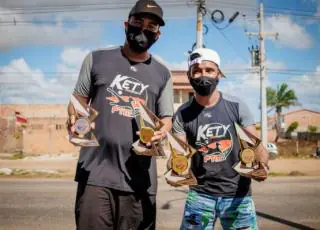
(128, 84)
(214, 141)
(125, 93)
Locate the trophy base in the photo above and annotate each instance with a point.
(180, 180)
(141, 149)
(82, 142)
(242, 169)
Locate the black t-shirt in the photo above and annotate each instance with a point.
(212, 133)
(114, 85)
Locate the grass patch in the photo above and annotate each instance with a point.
(17, 156)
(22, 173)
(292, 173)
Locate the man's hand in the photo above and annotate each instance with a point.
(173, 184)
(70, 123)
(260, 172)
(157, 137)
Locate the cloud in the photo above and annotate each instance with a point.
(307, 87)
(275, 65)
(172, 65)
(22, 33)
(62, 26)
(21, 84)
(73, 57)
(290, 33)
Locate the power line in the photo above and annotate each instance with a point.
(84, 8)
(126, 5)
(228, 40)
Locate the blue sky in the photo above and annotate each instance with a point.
(41, 54)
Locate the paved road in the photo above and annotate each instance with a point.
(282, 203)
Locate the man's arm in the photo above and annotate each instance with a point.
(261, 151)
(162, 133)
(82, 89)
(260, 173)
(71, 112)
(246, 120)
(165, 109)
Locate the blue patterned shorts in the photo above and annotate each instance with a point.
(202, 210)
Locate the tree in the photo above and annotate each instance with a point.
(292, 127)
(312, 129)
(278, 99)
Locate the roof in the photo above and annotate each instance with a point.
(300, 110)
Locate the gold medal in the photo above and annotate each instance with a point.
(179, 164)
(247, 156)
(146, 134)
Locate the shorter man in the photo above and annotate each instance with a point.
(206, 122)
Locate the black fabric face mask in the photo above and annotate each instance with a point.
(140, 40)
(204, 86)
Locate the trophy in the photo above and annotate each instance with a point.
(248, 145)
(84, 117)
(149, 123)
(179, 171)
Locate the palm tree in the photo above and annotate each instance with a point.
(280, 98)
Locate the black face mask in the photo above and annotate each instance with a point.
(140, 40)
(204, 86)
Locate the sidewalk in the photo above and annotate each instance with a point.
(66, 165)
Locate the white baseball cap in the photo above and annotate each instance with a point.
(204, 54)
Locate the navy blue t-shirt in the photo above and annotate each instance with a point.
(211, 131)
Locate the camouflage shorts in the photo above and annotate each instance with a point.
(202, 210)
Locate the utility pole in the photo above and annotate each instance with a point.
(263, 76)
(200, 8)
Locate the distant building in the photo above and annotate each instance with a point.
(45, 130)
(182, 90)
(304, 117)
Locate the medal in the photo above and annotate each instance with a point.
(179, 164)
(146, 134)
(247, 156)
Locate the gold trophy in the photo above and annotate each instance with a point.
(149, 123)
(179, 172)
(248, 145)
(84, 117)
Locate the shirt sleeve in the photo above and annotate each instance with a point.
(83, 84)
(177, 124)
(246, 117)
(165, 100)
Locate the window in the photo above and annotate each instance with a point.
(176, 96)
(59, 127)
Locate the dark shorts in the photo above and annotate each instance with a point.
(104, 208)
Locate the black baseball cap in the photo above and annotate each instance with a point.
(148, 7)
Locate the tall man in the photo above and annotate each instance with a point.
(117, 188)
(206, 123)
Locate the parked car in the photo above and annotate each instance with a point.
(272, 150)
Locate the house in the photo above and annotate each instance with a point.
(182, 90)
(304, 117)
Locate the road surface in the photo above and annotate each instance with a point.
(281, 203)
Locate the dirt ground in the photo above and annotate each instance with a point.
(280, 167)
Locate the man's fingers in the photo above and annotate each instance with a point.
(173, 184)
(72, 119)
